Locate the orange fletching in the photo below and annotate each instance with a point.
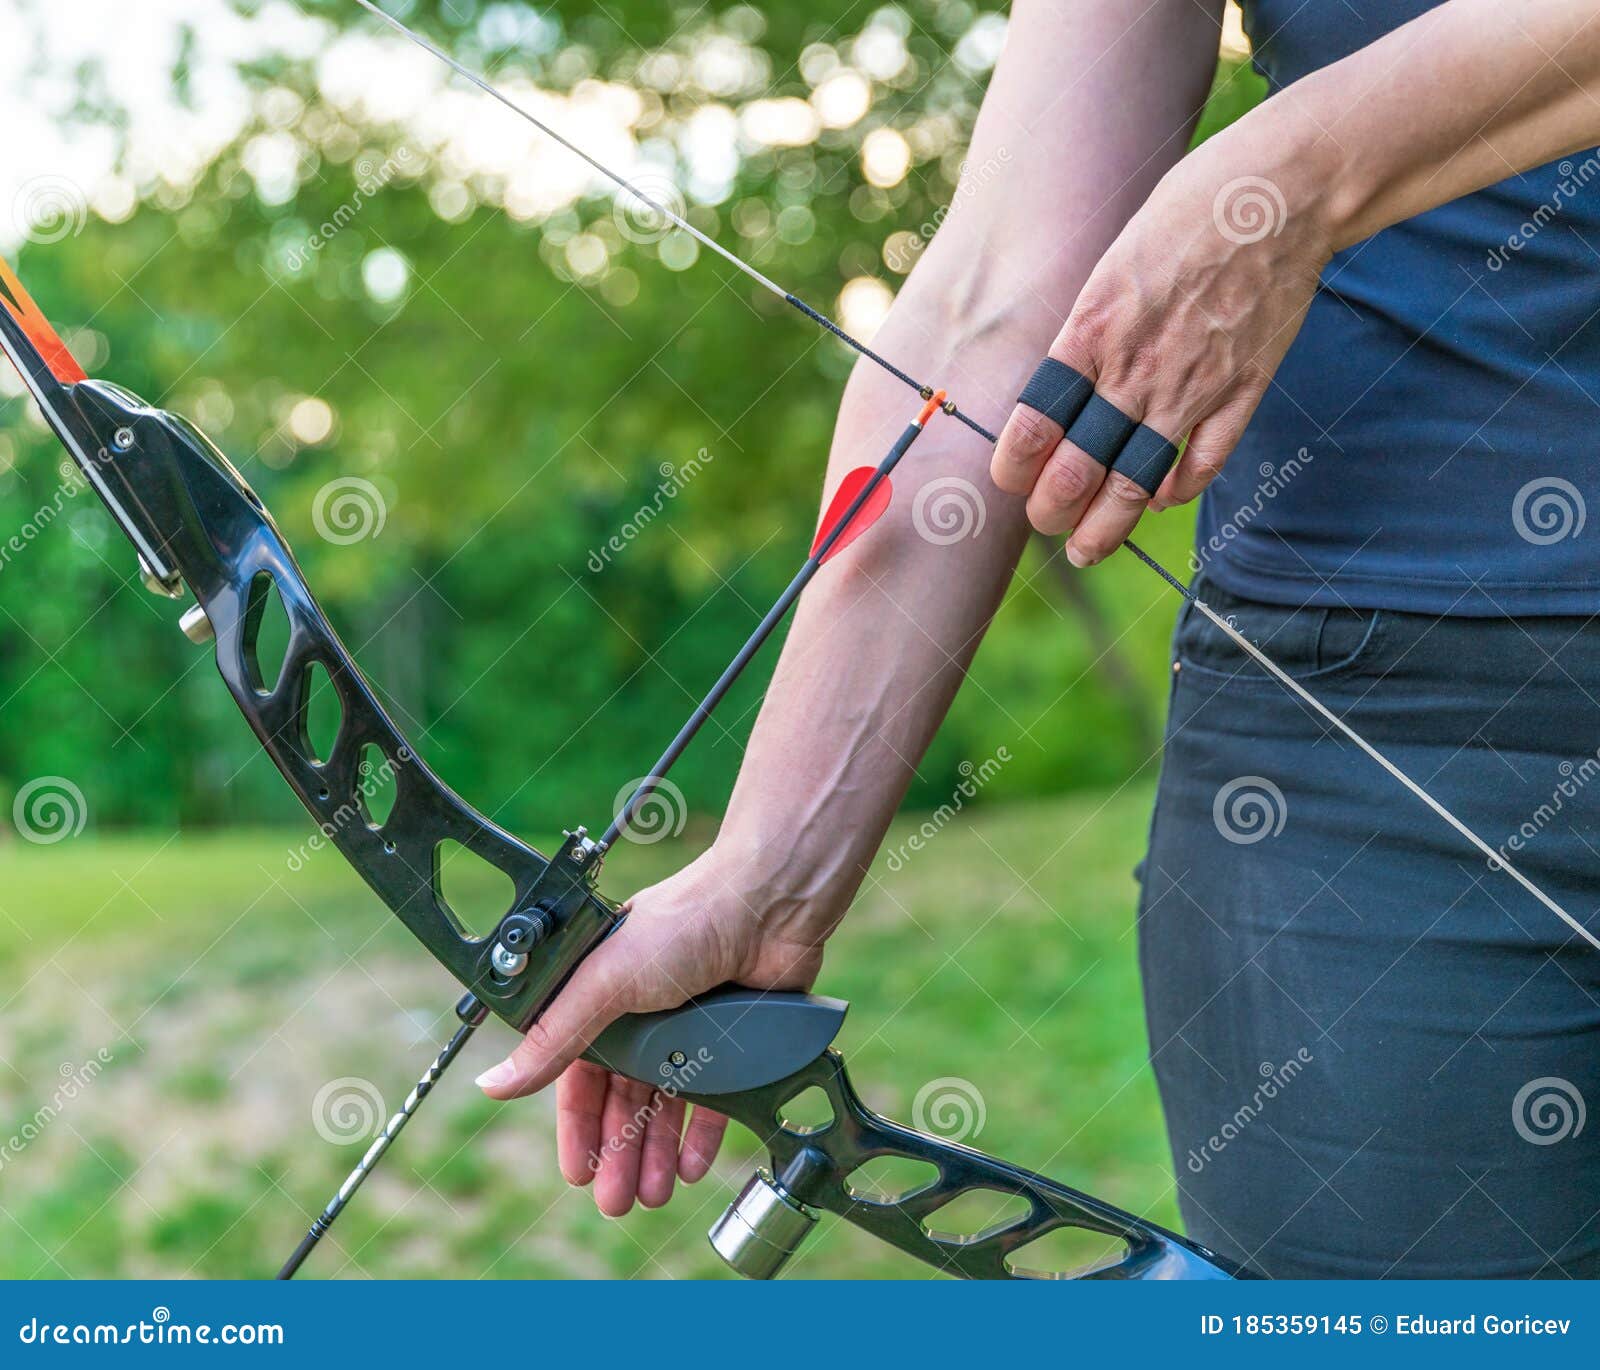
(868, 514)
(19, 304)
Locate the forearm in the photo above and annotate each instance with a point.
(883, 639)
(1465, 95)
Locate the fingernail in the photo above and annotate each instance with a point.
(1159, 504)
(495, 1076)
(1078, 558)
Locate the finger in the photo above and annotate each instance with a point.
(1094, 443)
(1111, 517)
(594, 996)
(1069, 480)
(658, 1162)
(701, 1142)
(1209, 447)
(1049, 403)
(580, 1097)
(622, 1127)
(1139, 463)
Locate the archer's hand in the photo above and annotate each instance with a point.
(691, 933)
(1181, 326)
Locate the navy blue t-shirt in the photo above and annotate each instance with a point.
(1432, 439)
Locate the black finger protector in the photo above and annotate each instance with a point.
(1101, 429)
(1057, 391)
(1146, 458)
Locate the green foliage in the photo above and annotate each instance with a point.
(592, 479)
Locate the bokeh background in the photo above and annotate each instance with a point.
(544, 464)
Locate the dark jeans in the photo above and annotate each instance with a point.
(1375, 1051)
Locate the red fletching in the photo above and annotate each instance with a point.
(868, 514)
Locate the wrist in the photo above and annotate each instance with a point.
(1322, 193)
(790, 894)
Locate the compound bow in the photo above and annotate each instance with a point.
(200, 530)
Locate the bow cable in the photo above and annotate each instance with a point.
(1497, 860)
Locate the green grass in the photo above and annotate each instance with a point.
(217, 990)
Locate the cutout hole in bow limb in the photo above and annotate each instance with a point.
(322, 712)
(1065, 1253)
(376, 788)
(266, 635)
(475, 892)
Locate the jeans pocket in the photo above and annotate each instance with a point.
(1312, 644)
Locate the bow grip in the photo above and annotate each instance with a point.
(725, 1042)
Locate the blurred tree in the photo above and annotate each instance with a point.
(528, 446)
